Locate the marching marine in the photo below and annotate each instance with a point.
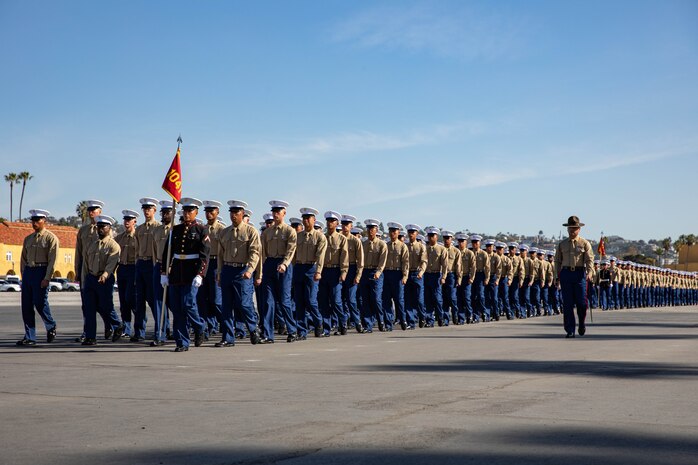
(39, 252)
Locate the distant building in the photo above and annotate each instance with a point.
(12, 237)
(688, 259)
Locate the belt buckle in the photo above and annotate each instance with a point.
(572, 268)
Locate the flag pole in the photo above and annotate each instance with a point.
(167, 271)
(169, 255)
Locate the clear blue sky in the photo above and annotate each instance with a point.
(491, 116)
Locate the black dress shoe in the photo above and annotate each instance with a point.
(157, 343)
(509, 317)
(403, 326)
(137, 339)
(468, 321)
(359, 329)
(496, 317)
(224, 344)
(118, 333)
(291, 338)
(318, 332)
(368, 331)
(569, 335)
(421, 323)
(428, 325)
(381, 328)
(79, 339)
(181, 348)
(266, 340)
(26, 342)
(255, 337)
(301, 338)
(410, 328)
(582, 330)
(239, 335)
(198, 339)
(51, 335)
(440, 322)
(342, 330)
(168, 335)
(89, 342)
(108, 333)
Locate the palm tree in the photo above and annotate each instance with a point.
(690, 241)
(666, 245)
(13, 179)
(81, 211)
(24, 176)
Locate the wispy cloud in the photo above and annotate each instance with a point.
(472, 179)
(462, 32)
(262, 155)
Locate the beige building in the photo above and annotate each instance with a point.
(12, 237)
(688, 259)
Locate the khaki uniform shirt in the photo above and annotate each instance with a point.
(575, 253)
(495, 266)
(160, 237)
(86, 235)
(279, 242)
(240, 245)
(547, 270)
(214, 230)
(507, 268)
(337, 254)
(398, 258)
(468, 265)
(40, 247)
(127, 242)
(537, 269)
(517, 266)
(528, 270)
(453, 256)
(144, 240)
(311, 248)
(102, 257)
(418, 256)
(482, 264)
(437, 259)
(356, 253)
(375, 255)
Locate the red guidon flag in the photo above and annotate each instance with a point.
(601, 249)
(173, 180)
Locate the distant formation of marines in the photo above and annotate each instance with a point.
(307, 277)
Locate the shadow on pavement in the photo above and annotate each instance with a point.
(534, 445)
(608, 369)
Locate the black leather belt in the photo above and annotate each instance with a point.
(35, 264)
(235, 265)
(571, 268)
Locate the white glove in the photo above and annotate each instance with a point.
(611, 286)
(197, 281)
(163, 280)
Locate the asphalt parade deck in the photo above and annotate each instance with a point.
(512, 392)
